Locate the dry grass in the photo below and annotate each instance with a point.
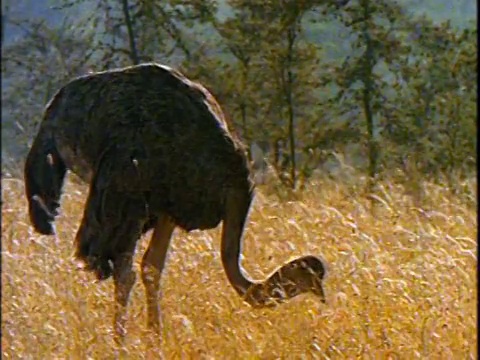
(401, 284)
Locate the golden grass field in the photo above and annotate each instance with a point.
(401, 283)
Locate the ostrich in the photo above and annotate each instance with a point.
(157, 152)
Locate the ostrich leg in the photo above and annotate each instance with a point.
(152, 265)
(124, 279)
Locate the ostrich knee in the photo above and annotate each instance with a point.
(151, 282)
(153, 263)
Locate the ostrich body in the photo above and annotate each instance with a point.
(157, 153)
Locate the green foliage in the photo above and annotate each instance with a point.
(32, 70)
(307, 79)
(436, 116)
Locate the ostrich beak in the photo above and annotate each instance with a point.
(322, 298)
(318, 290)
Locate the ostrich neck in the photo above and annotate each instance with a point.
(237, 204)
(253, 292)
(231, 250)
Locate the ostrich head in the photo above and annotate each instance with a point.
(302, 275)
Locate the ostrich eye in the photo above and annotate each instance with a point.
(293, 291)
(292, 266)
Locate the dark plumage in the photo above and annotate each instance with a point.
(157, 152)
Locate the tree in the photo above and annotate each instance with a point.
(442, 97)
(375, 44)
(131, 34)
(33, 68)
(133, 31)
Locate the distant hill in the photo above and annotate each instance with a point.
(460, 12)
(32, 9)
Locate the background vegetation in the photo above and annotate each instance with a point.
(379, 84)
(366, 117)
